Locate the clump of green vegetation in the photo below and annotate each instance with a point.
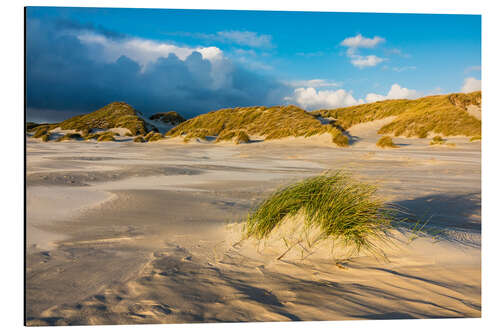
(45, 137)
(340, 140)
(437, 140)
(236, 136)
(116, 114)
(270, 122)
(475, 138)
(153, 136)
(30, 126)
(106, 136)
(69, 136)
(386, 142)
(170, 117)
(139, 139)
(443, 114)
(341, 207)
(40, 131)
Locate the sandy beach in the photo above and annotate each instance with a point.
(126, 233)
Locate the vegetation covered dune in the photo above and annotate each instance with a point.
(102, 124)
(269, 122)
(442, 114)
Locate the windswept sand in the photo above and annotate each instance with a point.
(123, 233)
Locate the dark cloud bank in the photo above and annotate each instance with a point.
(65, 77)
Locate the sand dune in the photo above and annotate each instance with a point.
(159, 240)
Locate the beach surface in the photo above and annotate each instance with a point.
(129, 233)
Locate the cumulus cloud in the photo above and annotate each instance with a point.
(359, 41)
(310, 98)
(396, 92)
(71, 69)
(142, 51)
(353, 45)
(471, 84)
(365, 61)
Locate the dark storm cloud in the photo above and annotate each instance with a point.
(66, 75)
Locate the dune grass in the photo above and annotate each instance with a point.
(170, 117)
(442, 114)
(475, 138)
(437, 140)
(139, 139)
(106, 136)
(116, 114)
(343, 208)
(45, 137)
(386, 142)
(69, 136)
(269, 122)
(153, 136)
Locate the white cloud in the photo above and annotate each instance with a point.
(310, 98)
(396, 92)
(365, 61)
(143, 51)
(471, 84)
(314, 83)
(359, 41)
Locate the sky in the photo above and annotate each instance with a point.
(196, 61)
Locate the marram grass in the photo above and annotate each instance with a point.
(343, 208)
(386, 142)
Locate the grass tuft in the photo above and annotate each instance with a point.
(386, 142)
(344, 209)
(69, 136)
(139, 139)
(475, 138)
(153, 136)
(437, 140)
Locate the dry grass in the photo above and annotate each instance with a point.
(117, 114)
(170, 117)
(139, 139)
(443, 114)
(437, 140)
(386, 142)
(153, 136)
(69, 136)
(272, 123)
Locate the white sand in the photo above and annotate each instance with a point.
(167, 248)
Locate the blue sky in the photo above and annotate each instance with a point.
(195, 61)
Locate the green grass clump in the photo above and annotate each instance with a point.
(170, 117)
(386, 142)
(45, 137)
(340, 140)
(443, 114)
(475, 138)
(69, 136)
(30, 126)
(117, 114)
(106, 136)
(269, 122)
(242, 137)
(236, 136)
(153, 136)
(139, 139)
(41, 131)
(342, 208)
(437, 140)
